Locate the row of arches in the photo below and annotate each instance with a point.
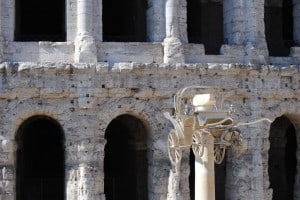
(41, 161)
(127, 22)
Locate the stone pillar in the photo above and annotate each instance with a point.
(234, 28)
(90, 169)
(244, 31)
(85, 47)
(204, 171)
(173, 187)
(234, 20)
(71, 181)
(1, 35)
(295, 51)
(155, 24)
(256, 49)
(296, 14)
(173, 50)
(8, 169)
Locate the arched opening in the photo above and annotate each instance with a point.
(220, 180)
(125, 159)
(220, 177)
(205, 24)
(37, 20)
(279, 26)
(192, 175)
(40, 160)
(124, 21)
(282, 158)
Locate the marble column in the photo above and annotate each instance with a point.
(173, 50)
(204, 171)
(85, 47)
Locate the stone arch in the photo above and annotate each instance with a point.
(148, 112)
(124, 21)
(205, 24)
(40, 163)
(125, 159)
(145, 111)
(279, 26)
(49, 27)
(282, 161)
(289, 109)
(27, 110)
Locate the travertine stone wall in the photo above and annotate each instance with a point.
(85, 83)
(85, 98)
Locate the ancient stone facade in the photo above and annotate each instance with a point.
(83, 84)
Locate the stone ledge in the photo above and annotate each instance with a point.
(30, 68)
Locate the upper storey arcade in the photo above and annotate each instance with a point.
(168, 31)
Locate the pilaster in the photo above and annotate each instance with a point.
(296, 14)
(173, 49)
(244, 30)
(85, 47)
(1, 33)
(156, 29)
(256, 49)
(234, 19)
(90, 169)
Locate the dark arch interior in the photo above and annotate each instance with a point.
(37, 20)
(40, 160)
(125, 160)
(205, 24)
(124, 21)
(279, 27)
(220, 178)
(282, 158)
(192, 175)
